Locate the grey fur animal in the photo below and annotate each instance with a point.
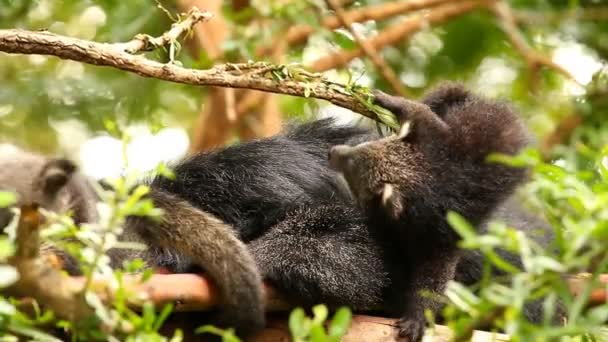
(200, 237)
(52, 183)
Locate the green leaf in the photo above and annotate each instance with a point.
(319, 313)
(297, 323)
(31, 332)
(461, 226)
(340, 323)
(343, 40)
(164, 314)
(7, 199)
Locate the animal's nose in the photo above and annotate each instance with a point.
(336, 156)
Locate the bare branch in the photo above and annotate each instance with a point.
(369, 50)
(398, 32)
(144, 42)
(246, 75)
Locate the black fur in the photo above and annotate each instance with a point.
(407, 183)
(305, 232)
(252, 185)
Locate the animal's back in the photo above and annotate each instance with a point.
(252, 185)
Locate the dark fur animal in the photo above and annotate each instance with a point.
(296, 216)
(283, 200)
(280, 197)
(406, 184)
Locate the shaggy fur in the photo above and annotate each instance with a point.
(407, 183)
(300, 220)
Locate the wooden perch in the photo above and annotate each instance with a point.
(372, 329)
(258, 76)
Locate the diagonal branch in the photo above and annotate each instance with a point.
(368, 49)
(259, 76)
(398, 32)
(144, 42)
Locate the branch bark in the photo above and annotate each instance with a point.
(247, 75)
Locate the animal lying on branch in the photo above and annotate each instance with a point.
(278, 209)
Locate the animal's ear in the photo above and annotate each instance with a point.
(423, 119)
(391, 201)
(447, 96)
(404, 130)
(55, 174)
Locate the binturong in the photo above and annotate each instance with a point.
(406, 184)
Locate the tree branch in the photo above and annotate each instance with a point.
(369, 50)
(397, 33)
(259, 76)
(144, 42)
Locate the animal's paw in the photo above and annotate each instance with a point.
(411, 328)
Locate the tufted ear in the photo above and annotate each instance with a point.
(391, 201)
(422, 120)
(55, 175)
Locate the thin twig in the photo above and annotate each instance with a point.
(368, 49)
(144, 42)
(226, 75)
(397, 33)
(535, 60)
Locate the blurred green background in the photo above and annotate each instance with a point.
(65, 107)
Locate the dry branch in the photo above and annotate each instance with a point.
(397, 33)
(245, 75)
(144, 42)
(385, 70)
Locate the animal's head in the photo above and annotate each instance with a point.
(437, 161)
(378, 172)
(51, 183)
